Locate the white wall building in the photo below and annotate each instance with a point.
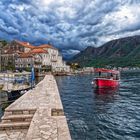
(43, 55)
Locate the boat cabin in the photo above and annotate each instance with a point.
(107, 74)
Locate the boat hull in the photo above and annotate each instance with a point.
(105, 83)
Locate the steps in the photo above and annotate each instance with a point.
(17, 119)
(14, 125)
(19, 111)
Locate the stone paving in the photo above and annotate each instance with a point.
(44, 129)
(13, 134)
(44, 97)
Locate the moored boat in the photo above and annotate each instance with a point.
(106, 78)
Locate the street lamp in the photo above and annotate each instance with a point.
(0, 57)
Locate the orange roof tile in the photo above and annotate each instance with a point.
(28, 45)
(25, 44)
(38, 50)
(46, 46)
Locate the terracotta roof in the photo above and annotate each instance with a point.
(25, 55)
(46, 46)
(38, 50)
(28, 45)
(25, 44)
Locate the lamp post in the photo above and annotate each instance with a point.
(0, 58)
(32, 77)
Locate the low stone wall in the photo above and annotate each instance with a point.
(43, 103)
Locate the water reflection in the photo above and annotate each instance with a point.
(103, 98)
(111, 90)
(13, 95)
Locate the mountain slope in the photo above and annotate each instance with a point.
(119, 52)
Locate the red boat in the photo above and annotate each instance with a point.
(106, 78)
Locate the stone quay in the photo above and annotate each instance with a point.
(36, 115)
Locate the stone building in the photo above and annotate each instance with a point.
(24, 60)
(8, 54)
(41, 57)
(54, 59)
(11, 51)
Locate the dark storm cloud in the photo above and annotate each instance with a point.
(69, 25)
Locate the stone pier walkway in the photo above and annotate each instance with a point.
(37, 115)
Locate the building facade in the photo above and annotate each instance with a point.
(22, 55)
(41, 57)
(24, 60)
(9, 53)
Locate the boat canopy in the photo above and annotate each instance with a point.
(102, 70)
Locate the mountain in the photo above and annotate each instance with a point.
(120, 52)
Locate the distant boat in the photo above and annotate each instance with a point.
(7, 79)
(20, 80)
(15, 87)
(106, 78)
(14, 79)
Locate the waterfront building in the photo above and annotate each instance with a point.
(23, 55)
(8, 54)
(54, 59)
(7, 61)
(44, 57)
(24, 60)
(11, 51)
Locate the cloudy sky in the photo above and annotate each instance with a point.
(70, 25)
